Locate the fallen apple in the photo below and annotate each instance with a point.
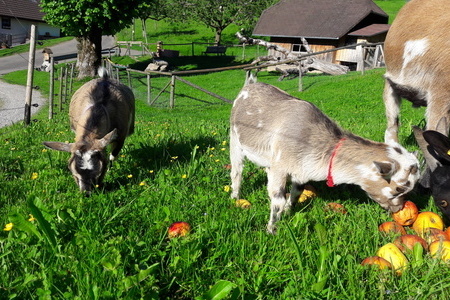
(406, 242)
(335, 207)
(178, 229)
(427, 219)
(447, 232)
(377, 261)
(440, 249)
(309, 192)
(407, 215)
(243, 203)
(392, 254)
(391, 227)
(432, 234)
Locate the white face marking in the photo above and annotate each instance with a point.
(86, 159)
(414, 49)
(386, 192)
(368, 172)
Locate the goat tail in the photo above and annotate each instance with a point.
(103, 73)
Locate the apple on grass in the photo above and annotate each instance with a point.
(432, 234)
(335, 207)
(243, 203)
(407, 215)
(440, 249)
(178, 229)
(427, 219)
(377, 261)
(392, 254)
(406, 242)
(391, 227)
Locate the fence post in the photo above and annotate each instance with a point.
(149, 98)
(129, 79)
(172, 92)
(61, 77)
(72, 66)
(29, 89)
(300, 78)
(52, 88)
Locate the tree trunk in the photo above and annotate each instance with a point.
(89, 53)
(218, 36)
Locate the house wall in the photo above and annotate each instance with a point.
(20, 29)
(294, 45)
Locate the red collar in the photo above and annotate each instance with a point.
(330, 181)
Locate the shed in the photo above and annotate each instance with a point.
(16, 19)
(325, 24)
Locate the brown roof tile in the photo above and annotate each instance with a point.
(371, 30)
(22, 9)
(330, 19)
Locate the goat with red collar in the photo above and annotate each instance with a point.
(293, 139)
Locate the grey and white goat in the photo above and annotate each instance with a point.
(293, 139)
(101, 113)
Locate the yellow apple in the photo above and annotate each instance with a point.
(440, 249)
(309, 192)
(392, 254)
(407, 215)
(427, 219)
(243, 203)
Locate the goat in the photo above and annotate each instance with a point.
(436, 149)
(417, 63)
(293, 138)
(101, 112)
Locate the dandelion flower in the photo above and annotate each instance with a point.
(224, 143)
(151, 171)
(31, 219)
(130, 176)
(184, 176)
(227, 188)
(212, 149)
(142, 183)
(44, 150)
(223, 149)
(34, 175)
(217, 160)
(8, 227)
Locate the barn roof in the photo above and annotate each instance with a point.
(327, 19)
(21, 9)
(371, 30)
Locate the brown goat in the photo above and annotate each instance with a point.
(101, 113)
(293, 139)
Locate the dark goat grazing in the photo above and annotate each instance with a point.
(293, 139)
(101, 113)
(436, 149)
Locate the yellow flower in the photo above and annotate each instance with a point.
(31, 219)
(184, 176)
(8, 227)
(217, 160)
(227, 188)
(151, 171)
(223, 149)
(224, 143)
(212, 149)
(44, 150)
(130, 176)
(142, 183)
(34, 175)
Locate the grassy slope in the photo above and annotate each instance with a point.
(114, 244)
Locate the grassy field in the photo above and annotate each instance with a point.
(114, 244)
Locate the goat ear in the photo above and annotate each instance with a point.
(439, 144)
(386, 169)
(59, 146)
(423, 145)
(108, 138)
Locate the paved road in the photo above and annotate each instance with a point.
(12, 97)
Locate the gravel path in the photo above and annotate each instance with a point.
(12, 103)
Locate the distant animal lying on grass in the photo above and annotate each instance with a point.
(293, 139)
(101, 113)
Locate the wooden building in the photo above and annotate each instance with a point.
(325, 24)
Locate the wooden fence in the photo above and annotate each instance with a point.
(66, 74)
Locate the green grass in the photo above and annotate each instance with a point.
(114, 245)
(26, 47)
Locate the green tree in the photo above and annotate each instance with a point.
(218, 14)
(88, 20)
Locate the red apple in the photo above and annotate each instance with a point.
(178, 229)
(406, 242)
(391, 226)
(380, 262)
(407, 215)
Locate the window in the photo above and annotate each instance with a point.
(6, 23)
(298, 48)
